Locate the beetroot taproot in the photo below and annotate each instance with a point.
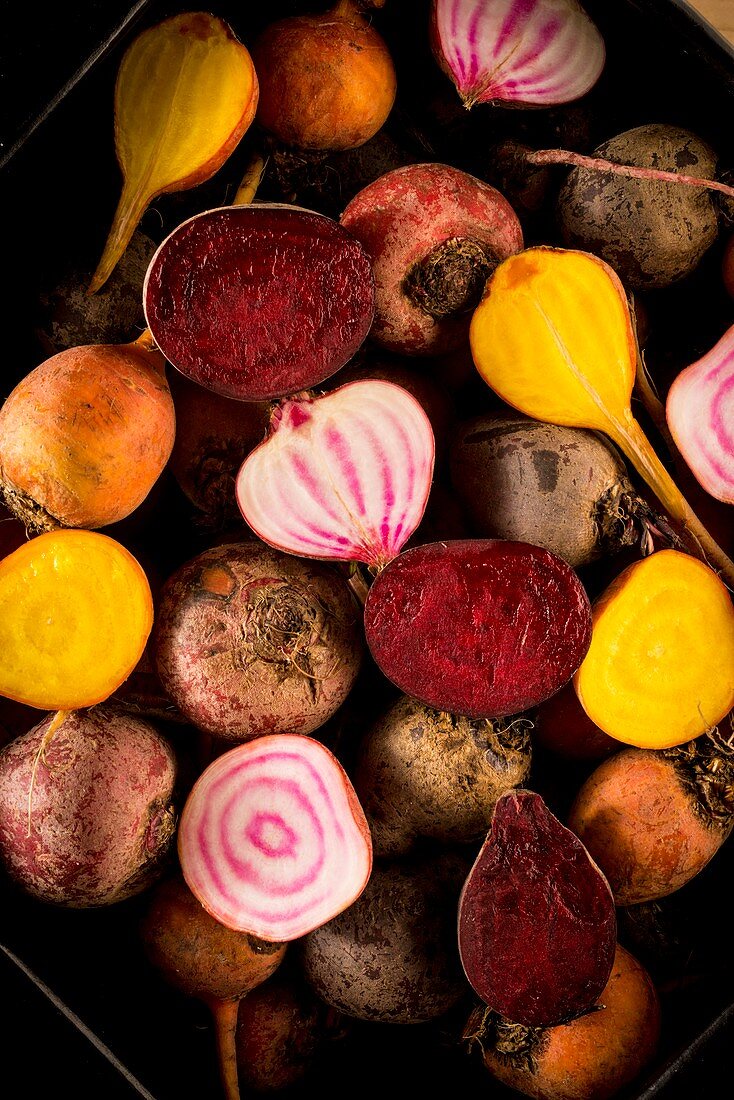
(537, 928)
(251, 641)
(478, 627)
(259, 301)
(434, 235)
(87, 816)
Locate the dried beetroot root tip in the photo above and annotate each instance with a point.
(255, 302)
(537, 926)
(343, 477)
(700, 414)
(524, 52)
(273, 840)
(478, 627)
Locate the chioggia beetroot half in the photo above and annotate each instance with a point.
(259, 301)
(700, 415)
(345, 476)
(273, 840)
(537, 927)
(532, 53)
(434, 235)
(478, 627)
(659, 668)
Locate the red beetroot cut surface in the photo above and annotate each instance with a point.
(537, 925)
(480, 627)
(256, 302)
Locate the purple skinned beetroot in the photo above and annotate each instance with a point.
(480, 627)
(537, 924)
(256, 302)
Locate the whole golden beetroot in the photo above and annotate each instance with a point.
(84, 436)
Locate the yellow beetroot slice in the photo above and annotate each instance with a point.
(537, 926)
(480, 627)
(256, 302)
(75, 614)
(660, 668)
(273, 840)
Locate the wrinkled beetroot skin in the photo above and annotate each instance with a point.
(537, 924)
(256, 302)
(479, 627)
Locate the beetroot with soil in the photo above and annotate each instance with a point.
(251, 641)
(537, 927)
(259, 301)
(88, 814)
(478, 627)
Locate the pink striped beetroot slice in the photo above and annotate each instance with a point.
(273, 840)
(481, 627)
(700, 413)
(533, 53)
(259, 301)
(537, 924)
(344, 477)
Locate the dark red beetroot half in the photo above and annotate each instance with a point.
(537, 924)
(480, 627)
(256, 302)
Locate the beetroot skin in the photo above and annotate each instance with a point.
(537, 926)
(100, 819)
(434, 236)
(484, 628)
(298, 302)
(251, 641)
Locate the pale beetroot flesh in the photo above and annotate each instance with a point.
(484, 628)
(256, 302)
(537, 924)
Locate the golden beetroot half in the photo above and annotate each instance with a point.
(85, 436)
(478, 627)
(259, 301)
(537, 927)
(75, 614)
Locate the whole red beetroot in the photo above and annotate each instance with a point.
(87, 814)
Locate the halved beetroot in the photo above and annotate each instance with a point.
(537, 925)
(259, 301)
(481, 627)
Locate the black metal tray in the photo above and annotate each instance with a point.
(84, 1013)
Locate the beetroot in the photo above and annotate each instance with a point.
(537, 927)
(251, 641)
(478, 627)
(298, 302)
(434, 236)
(87, 817)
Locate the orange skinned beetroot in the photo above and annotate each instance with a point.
(85, 435)
(592, 1057)
(75, 614)
(204, 959)
(326, 81)
(653, 820)
(659, 668)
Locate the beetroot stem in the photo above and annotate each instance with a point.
(225, 1022)
(578, 160)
